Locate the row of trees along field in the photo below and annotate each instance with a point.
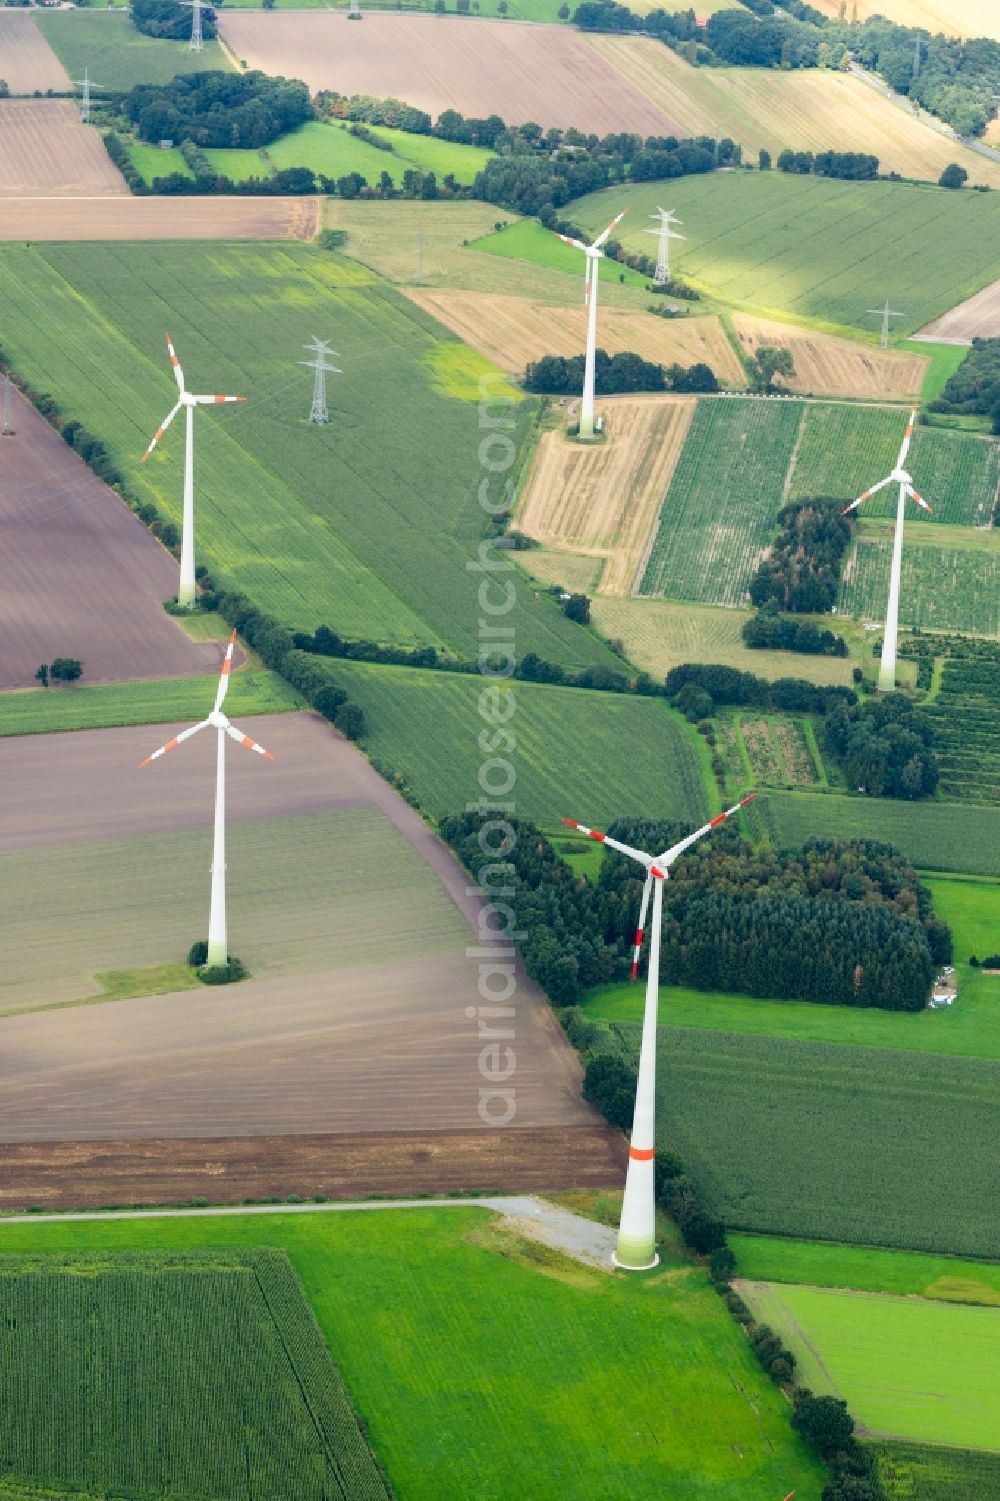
(842, 922)
(952, 78)
(975, 386)
(555, 375)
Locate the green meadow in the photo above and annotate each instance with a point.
(481, 1365)
(117, 55)
(763, 1258)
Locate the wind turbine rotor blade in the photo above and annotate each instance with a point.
(160, 431)
(914, 495)
(670, 855)
(208, 401)
(602, 237)
(227, 667)
(242, 739)
(171, 744)
(907, 440)
(175, 362)
(568, 240)
(640, 930)
(612, 844)
(867, 496)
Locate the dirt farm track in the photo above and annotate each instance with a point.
(543, 73)
(126, 218)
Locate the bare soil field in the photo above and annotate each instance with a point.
(79, 574)
(26, 59)
(543, 73)
(83, 218)
(953, 17)
(976, 318)
(605, 501)
(354, 918)
(88, 1175)
(46, 150)
(829, 366)
(513, 330)
(806, 111)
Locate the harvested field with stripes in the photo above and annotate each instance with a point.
(511, 331)
(125, 218)
(26, 58)
(829, 366)
(814, 110)
(79, 574)
(543, 73)
(604, 501)
(976, 318)
(352, 917)
(45, 151)
(968, 18)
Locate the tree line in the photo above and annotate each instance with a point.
(554, 375)
(218, 109)
(769, 630)
(801, 572)
(885, 746)
(841, 922)
(975, 385)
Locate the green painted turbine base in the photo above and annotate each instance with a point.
(635, 1253)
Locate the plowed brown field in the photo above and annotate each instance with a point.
(828, 366)
(79, 574)
(83, 218)
(603, 501)
(976, 318)
(45, 150)
(82, 1175)
(513, 330)
(27, 61)
(543, 73)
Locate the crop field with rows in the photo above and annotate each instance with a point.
(942, 588)
(127, 55)
(966, 729)
(845, 450)
(778, 751)
(366, 524)
(775, 243)
(908, 1471)
(117, 1359)
(424, 727)
(902, 1143)
(935, 835)
(718, 515)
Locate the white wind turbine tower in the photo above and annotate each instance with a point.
(636, 1248)
(218, 951)
(665, 218)
(319, 349)
(899, 476)
(187, 400)
(594, 255)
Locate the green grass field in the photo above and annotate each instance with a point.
(118, 55)
(972, 908)
(484, 1368)
(366, 524)
(432, 155)
(239, 165)
(968, 1029)
(763, 1258)
(908, 1369)
(117, 1357)
(936, 836)
(98, 706)
(528, 241)
(945, 360)
(154, 161)
(778, 244)
(425, 726)
(141, 902)
(330, 148)
(942, 588)
(865, 1145)
(916, 1472)
(719, 511)
(845, 450)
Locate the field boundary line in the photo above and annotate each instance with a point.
(793, 457)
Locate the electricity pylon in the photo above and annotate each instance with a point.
(320, 348)
(885, 313)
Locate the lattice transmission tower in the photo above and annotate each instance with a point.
(319, 349)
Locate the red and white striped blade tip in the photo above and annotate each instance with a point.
(922, 502)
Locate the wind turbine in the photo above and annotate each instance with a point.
(899, 476)
(636, 1248)
(665, 218)
(594, 255)
(218, 951)
(185, 592)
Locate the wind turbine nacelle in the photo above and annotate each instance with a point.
(901, 477)
(218, 719)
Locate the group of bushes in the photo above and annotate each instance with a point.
(769, 630)
(218, 109)
(554, 375)
(886, 746)
(853, 166)
(729, 685)
(975, 386)
(801, 572)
